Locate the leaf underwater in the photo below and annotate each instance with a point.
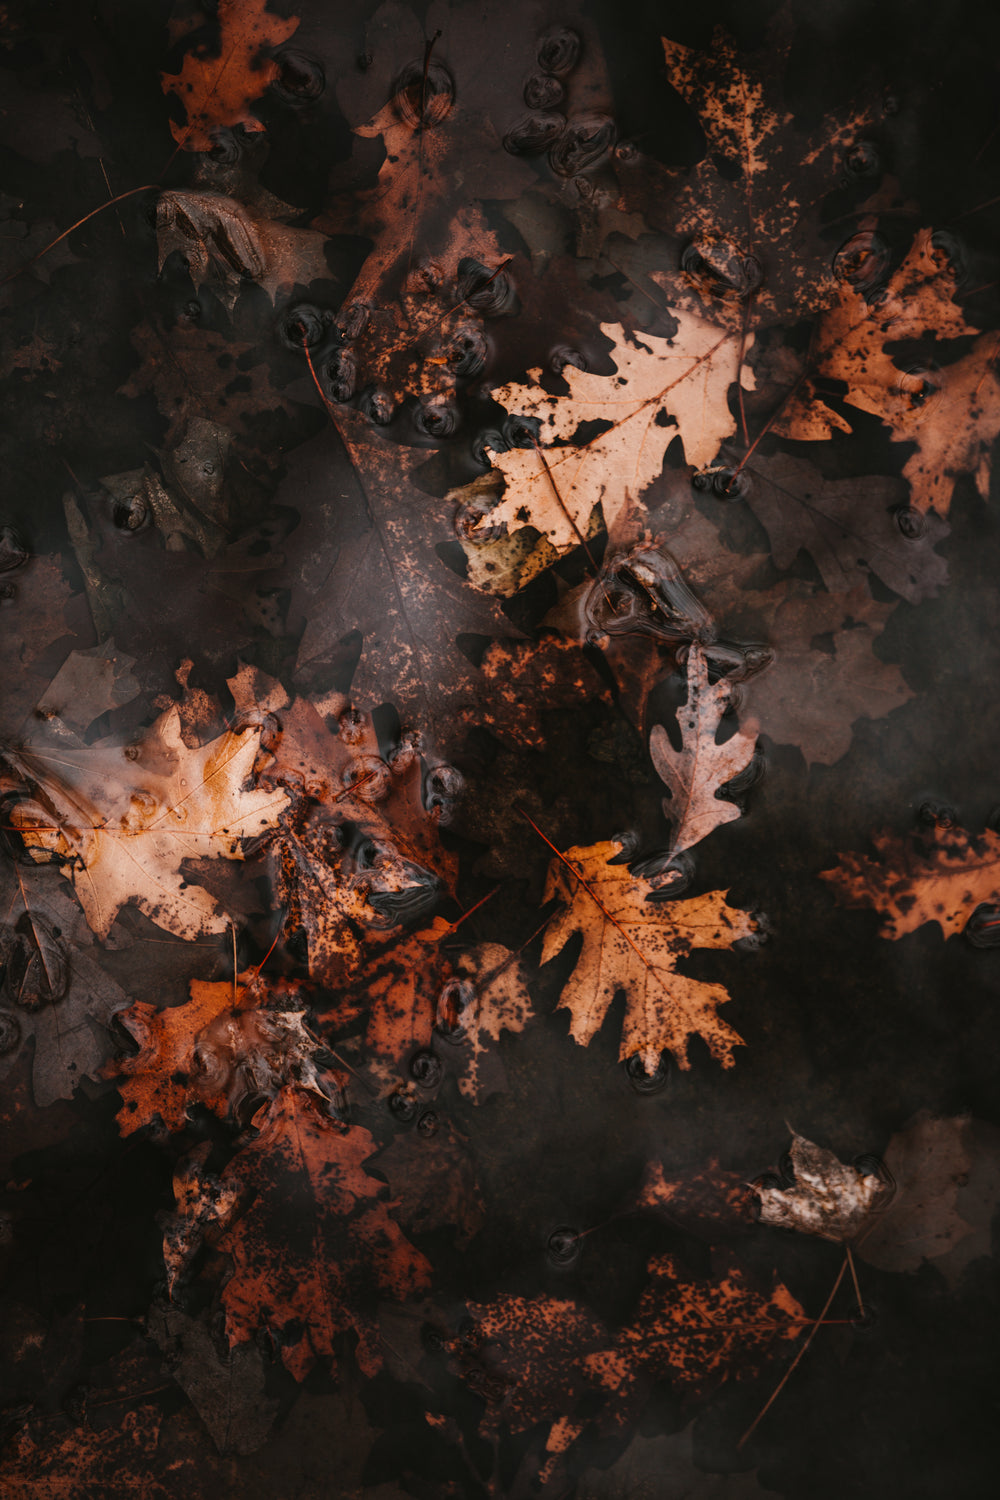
(939, 876)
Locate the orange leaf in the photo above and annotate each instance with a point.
(217, 90)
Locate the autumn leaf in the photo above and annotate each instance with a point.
(939, 875)
(947, 1175)
(702, 767)
(126, 817)
(662, 386)
(201, 1203)
(819, 1195)
(633, 945)
(653, 1466)
(421, 1003)
(218, 89)
(316, 1245)
(851, 527)
(225, 245)
(694, 1333)
(524, 681)
(752, 198)
(224, 1048)
(710, 1202)
(949, 410)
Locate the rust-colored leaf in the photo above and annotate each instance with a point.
(316, 1245)
(940, 875)
(633, 945)
(218, 88)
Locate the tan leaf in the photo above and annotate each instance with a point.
(940, 875)
(662, 386)
(501, 1003)
(694, 774)
(826, 1198)
(632, 944)
(127, 818)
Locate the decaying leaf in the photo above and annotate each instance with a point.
(226, 1387)
(939, 875)
(947, 1175)
(124, 818)
(56, 992)
(524, 681)
(821, 1195)
(316, 1245)
(218, 88)
(710, 1202)
(950, 408)
(702, 767)
(663, 386)
(751, 200)
(652, 1467)
(432, 1183)
(694, 1333)
(633, 945)
(226, 1048)
(202, 1204)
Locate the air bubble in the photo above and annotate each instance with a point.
(862, 261)
(424, 94)
(645, 1080)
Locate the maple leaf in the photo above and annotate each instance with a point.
(950, 410)
(316, 1244)
(633, 944)
(225, 1047)
(217, 90)
(126, 817)
(941, 875)
(753, 192)
(820, 1195)
(694, 774)
(947, 1175)
(694, 1333)
(55, 982)
(662, 385)
(851, 527)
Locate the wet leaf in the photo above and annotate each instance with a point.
(939, 875)
(824, 1197)
(633, 945)
(702, 767)
(217, 88)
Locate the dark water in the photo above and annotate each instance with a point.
(848, 1035)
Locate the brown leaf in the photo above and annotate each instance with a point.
(947, 1175)
(825, 1197)
(652, 1467)
(710, 1202)
(633, 944)
(695, 1334)
(940, 875)
(226, 1047)
(525, 680)
(316, 1245)
(694, 774)
(756, 189)
(202, 1202)
(219, 89)
(432, 1183)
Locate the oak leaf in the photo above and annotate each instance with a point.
(217, 90)
(225, 1047)
(633, 944)
(950, 411)
(940, 875)
(125, 822)
(702, 767)
(821, 1195)
(316, 1245)
(662, 386)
